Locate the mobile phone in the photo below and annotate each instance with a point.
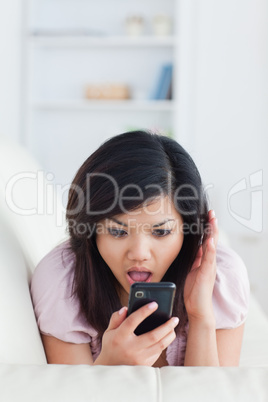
(142, 293)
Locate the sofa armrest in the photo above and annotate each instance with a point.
(20, 341)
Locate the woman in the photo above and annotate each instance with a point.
(137, 212)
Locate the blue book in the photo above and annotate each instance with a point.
(164, 83)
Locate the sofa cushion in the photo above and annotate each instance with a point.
(132, 384)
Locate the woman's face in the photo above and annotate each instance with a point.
(141, 245)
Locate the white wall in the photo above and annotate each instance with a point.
(223, 106)
(226, 118)
(10, 68)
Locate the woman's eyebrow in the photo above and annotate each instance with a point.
(154, 226)
(119, 223)
(162, 223)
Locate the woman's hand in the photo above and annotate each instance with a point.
(200, 281)
(120, 346)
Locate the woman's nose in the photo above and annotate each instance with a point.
(139, 249)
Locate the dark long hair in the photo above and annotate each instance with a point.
(138, 163)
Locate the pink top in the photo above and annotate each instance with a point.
(57, 312)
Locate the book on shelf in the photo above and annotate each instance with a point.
(163, 88)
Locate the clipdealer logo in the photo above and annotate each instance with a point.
(49, 197)
(255, 187)
(34, 193)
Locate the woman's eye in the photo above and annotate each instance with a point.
(117, 232)
(161, 232)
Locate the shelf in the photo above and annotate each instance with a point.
(128, 105)
(99, 41)
(67, 46)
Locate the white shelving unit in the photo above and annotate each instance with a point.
(61, 126)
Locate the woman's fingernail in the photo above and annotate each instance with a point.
(121, 311)
(212, 240)
(152, 305)
(175, 321)
(212, 213)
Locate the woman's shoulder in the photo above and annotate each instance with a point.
(232, 290)
(229, 259)
(56, 307)
(57, 264)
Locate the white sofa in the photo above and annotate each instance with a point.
(24, 374)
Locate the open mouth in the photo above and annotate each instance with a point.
(139, 276)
